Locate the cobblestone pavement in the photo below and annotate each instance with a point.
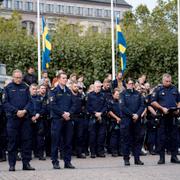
(108, 168)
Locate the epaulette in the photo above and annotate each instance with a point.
(158, 87)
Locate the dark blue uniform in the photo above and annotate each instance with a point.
(108, 95)
(60, 102)
(152, 124)
(38, 107)
(115, 136)
(97, 103)
(17, 97)
(3, 132)
(132, 102)
(78, 117)
(47, 125)
(167, 97)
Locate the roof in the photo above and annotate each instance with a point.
(119, 2)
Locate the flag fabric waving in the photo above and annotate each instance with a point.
(46, 46)
(121, 44)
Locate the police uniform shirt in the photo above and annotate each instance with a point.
(166, 96)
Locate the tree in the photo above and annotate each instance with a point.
(151, 37)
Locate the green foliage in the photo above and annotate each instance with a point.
(17, 49)
(151, 37)
(152, 42)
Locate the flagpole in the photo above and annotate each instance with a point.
(112, 33)
(178, 8)
(39, 42)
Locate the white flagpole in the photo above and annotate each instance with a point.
(112, 33)
(39, 42)
(178, 8)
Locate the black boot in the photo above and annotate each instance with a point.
(56, 166)
(69, 166)
(81, 156)
(11, 168)
(126, 161)
(162, 159)
(28, 167)
(137, 161)
(174, 159)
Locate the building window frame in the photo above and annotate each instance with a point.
(29, 6)
(18, 5)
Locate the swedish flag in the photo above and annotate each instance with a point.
(46, 45)
(121, 43)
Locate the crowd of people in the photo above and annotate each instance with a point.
(64, 118)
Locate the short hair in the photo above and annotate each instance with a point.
(44, 71)
(33, 85)
(97, 82)
(62, 73)
(16, 71)
(42, 85)
(129, 79)
(74, 82)
(106, 80)
(73, 74)
(115, 90)
(30, 67)
(166, 75)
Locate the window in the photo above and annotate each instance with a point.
(58, 8)
(29, 26)
(18, 5)
(80, 11)
(28, 6)
(94, 28)
(41, 6)
(70, 9)
(99, 12)
(61, 9)
(85, 13)
(107, 13)
(8, 4)
(117, 13)
(90, 12)
(95, 12)
(49, 7)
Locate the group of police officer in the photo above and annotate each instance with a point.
(70, 121)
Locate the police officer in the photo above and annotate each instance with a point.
(151, 125)
(30, 77)
(132, 106)
(78, 117)
(115, 116)
(44, 93)
(106, 90)
(165, 98)
(3, 134)
(61, 104)
(97, 108)
(17, 105)
(37, 115)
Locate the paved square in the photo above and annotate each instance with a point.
(108, 168)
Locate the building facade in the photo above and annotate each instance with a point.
(88, 13)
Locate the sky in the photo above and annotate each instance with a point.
(150, 3)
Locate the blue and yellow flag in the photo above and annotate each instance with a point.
(121, 44)
(46, 46)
